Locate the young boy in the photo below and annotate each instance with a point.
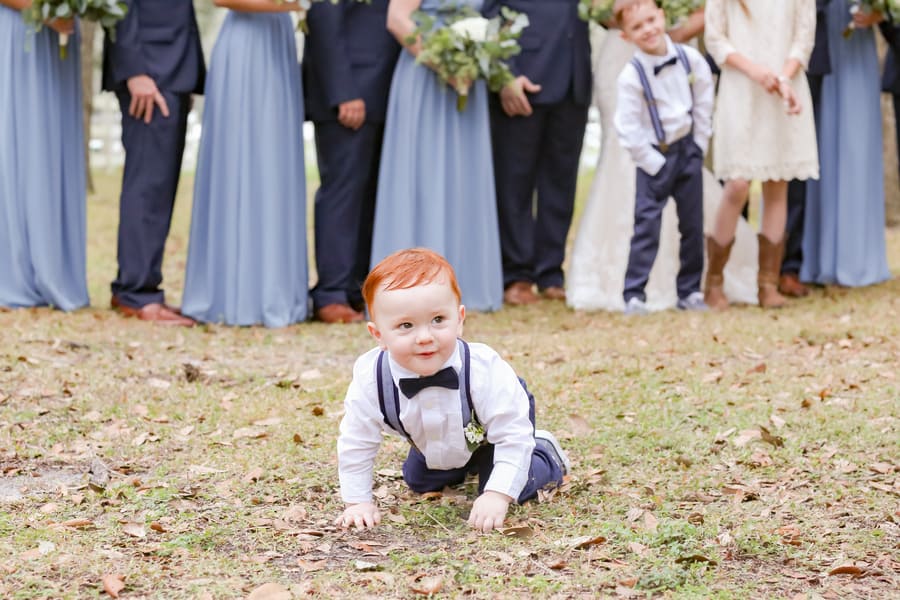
(460, 405)
(664, 119)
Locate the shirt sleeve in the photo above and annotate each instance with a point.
(360, 433)
(716, 31)
(804, 31)
(629, 125)
(704, 98)
(503, 409)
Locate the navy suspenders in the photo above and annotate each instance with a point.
(651, 100)
(389, 395)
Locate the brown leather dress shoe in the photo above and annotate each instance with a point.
(520, 293)
(554, 292)
(338, 313)
(789, 285)
(153, 312)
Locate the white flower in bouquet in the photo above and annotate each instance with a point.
(474, 28)
(469, 47)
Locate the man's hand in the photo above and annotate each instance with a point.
(364, 515)
(352, 113)
(513, 98)
(144, 96)
(489, 511)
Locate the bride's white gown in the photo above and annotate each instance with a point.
(596, 275)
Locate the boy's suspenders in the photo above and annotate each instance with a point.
(389, 395)
(651, 101)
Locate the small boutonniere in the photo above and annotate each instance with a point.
(474, 432)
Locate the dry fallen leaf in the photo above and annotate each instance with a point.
(134, 529)
(848, 570)
(517, 532)
(270, 591)
(767, 437)
(77, 523)
(249, 432)
(310, 566)
(427, 586)
(713, 377)
(746, 436)
(113, 584)
(581, 543)
(362, 565)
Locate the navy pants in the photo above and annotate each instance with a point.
(543, 472)
(538, 153)
(153, 155)
(345, 209)
(682, 178)
(796, 200)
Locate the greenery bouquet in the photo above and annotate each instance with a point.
(679, 10)
(596, 11)
(468, 47)
(105, 12)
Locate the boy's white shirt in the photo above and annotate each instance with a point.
(673, 102)
(434, 421)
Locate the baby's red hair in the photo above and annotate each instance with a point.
(408, 268)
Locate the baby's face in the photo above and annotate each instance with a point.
(418, 325)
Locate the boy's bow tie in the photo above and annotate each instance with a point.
(446, 377)
(666, 63)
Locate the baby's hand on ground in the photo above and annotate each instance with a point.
(489, 511)
(364, 515)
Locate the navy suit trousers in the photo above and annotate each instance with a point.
(543, 472)
(153, 155)
(682, 179)
(796, 200)
(345, 209)
(536, 153)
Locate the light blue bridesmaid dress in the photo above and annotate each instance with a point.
(843, 236)
(436, 181)
(246, 260)
(42, 173)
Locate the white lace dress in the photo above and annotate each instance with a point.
(596, 275)
(754, 137)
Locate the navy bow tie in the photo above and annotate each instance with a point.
(446, 377)
(664, 64)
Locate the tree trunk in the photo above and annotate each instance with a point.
(87, 91)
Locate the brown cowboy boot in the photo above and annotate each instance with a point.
(767, 278)
(717, 256)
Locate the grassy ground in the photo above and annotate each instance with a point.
(736, 455)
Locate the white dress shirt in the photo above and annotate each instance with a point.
(433, 419)
(672, 92)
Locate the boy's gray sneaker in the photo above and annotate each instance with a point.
(693, 302)
(636, 306)
(549, 444)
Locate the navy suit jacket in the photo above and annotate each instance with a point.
(348, 54)
(890, 81)
(556, 48)
(158, 38)
(820, 59)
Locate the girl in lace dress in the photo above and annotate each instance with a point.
(763, 125)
